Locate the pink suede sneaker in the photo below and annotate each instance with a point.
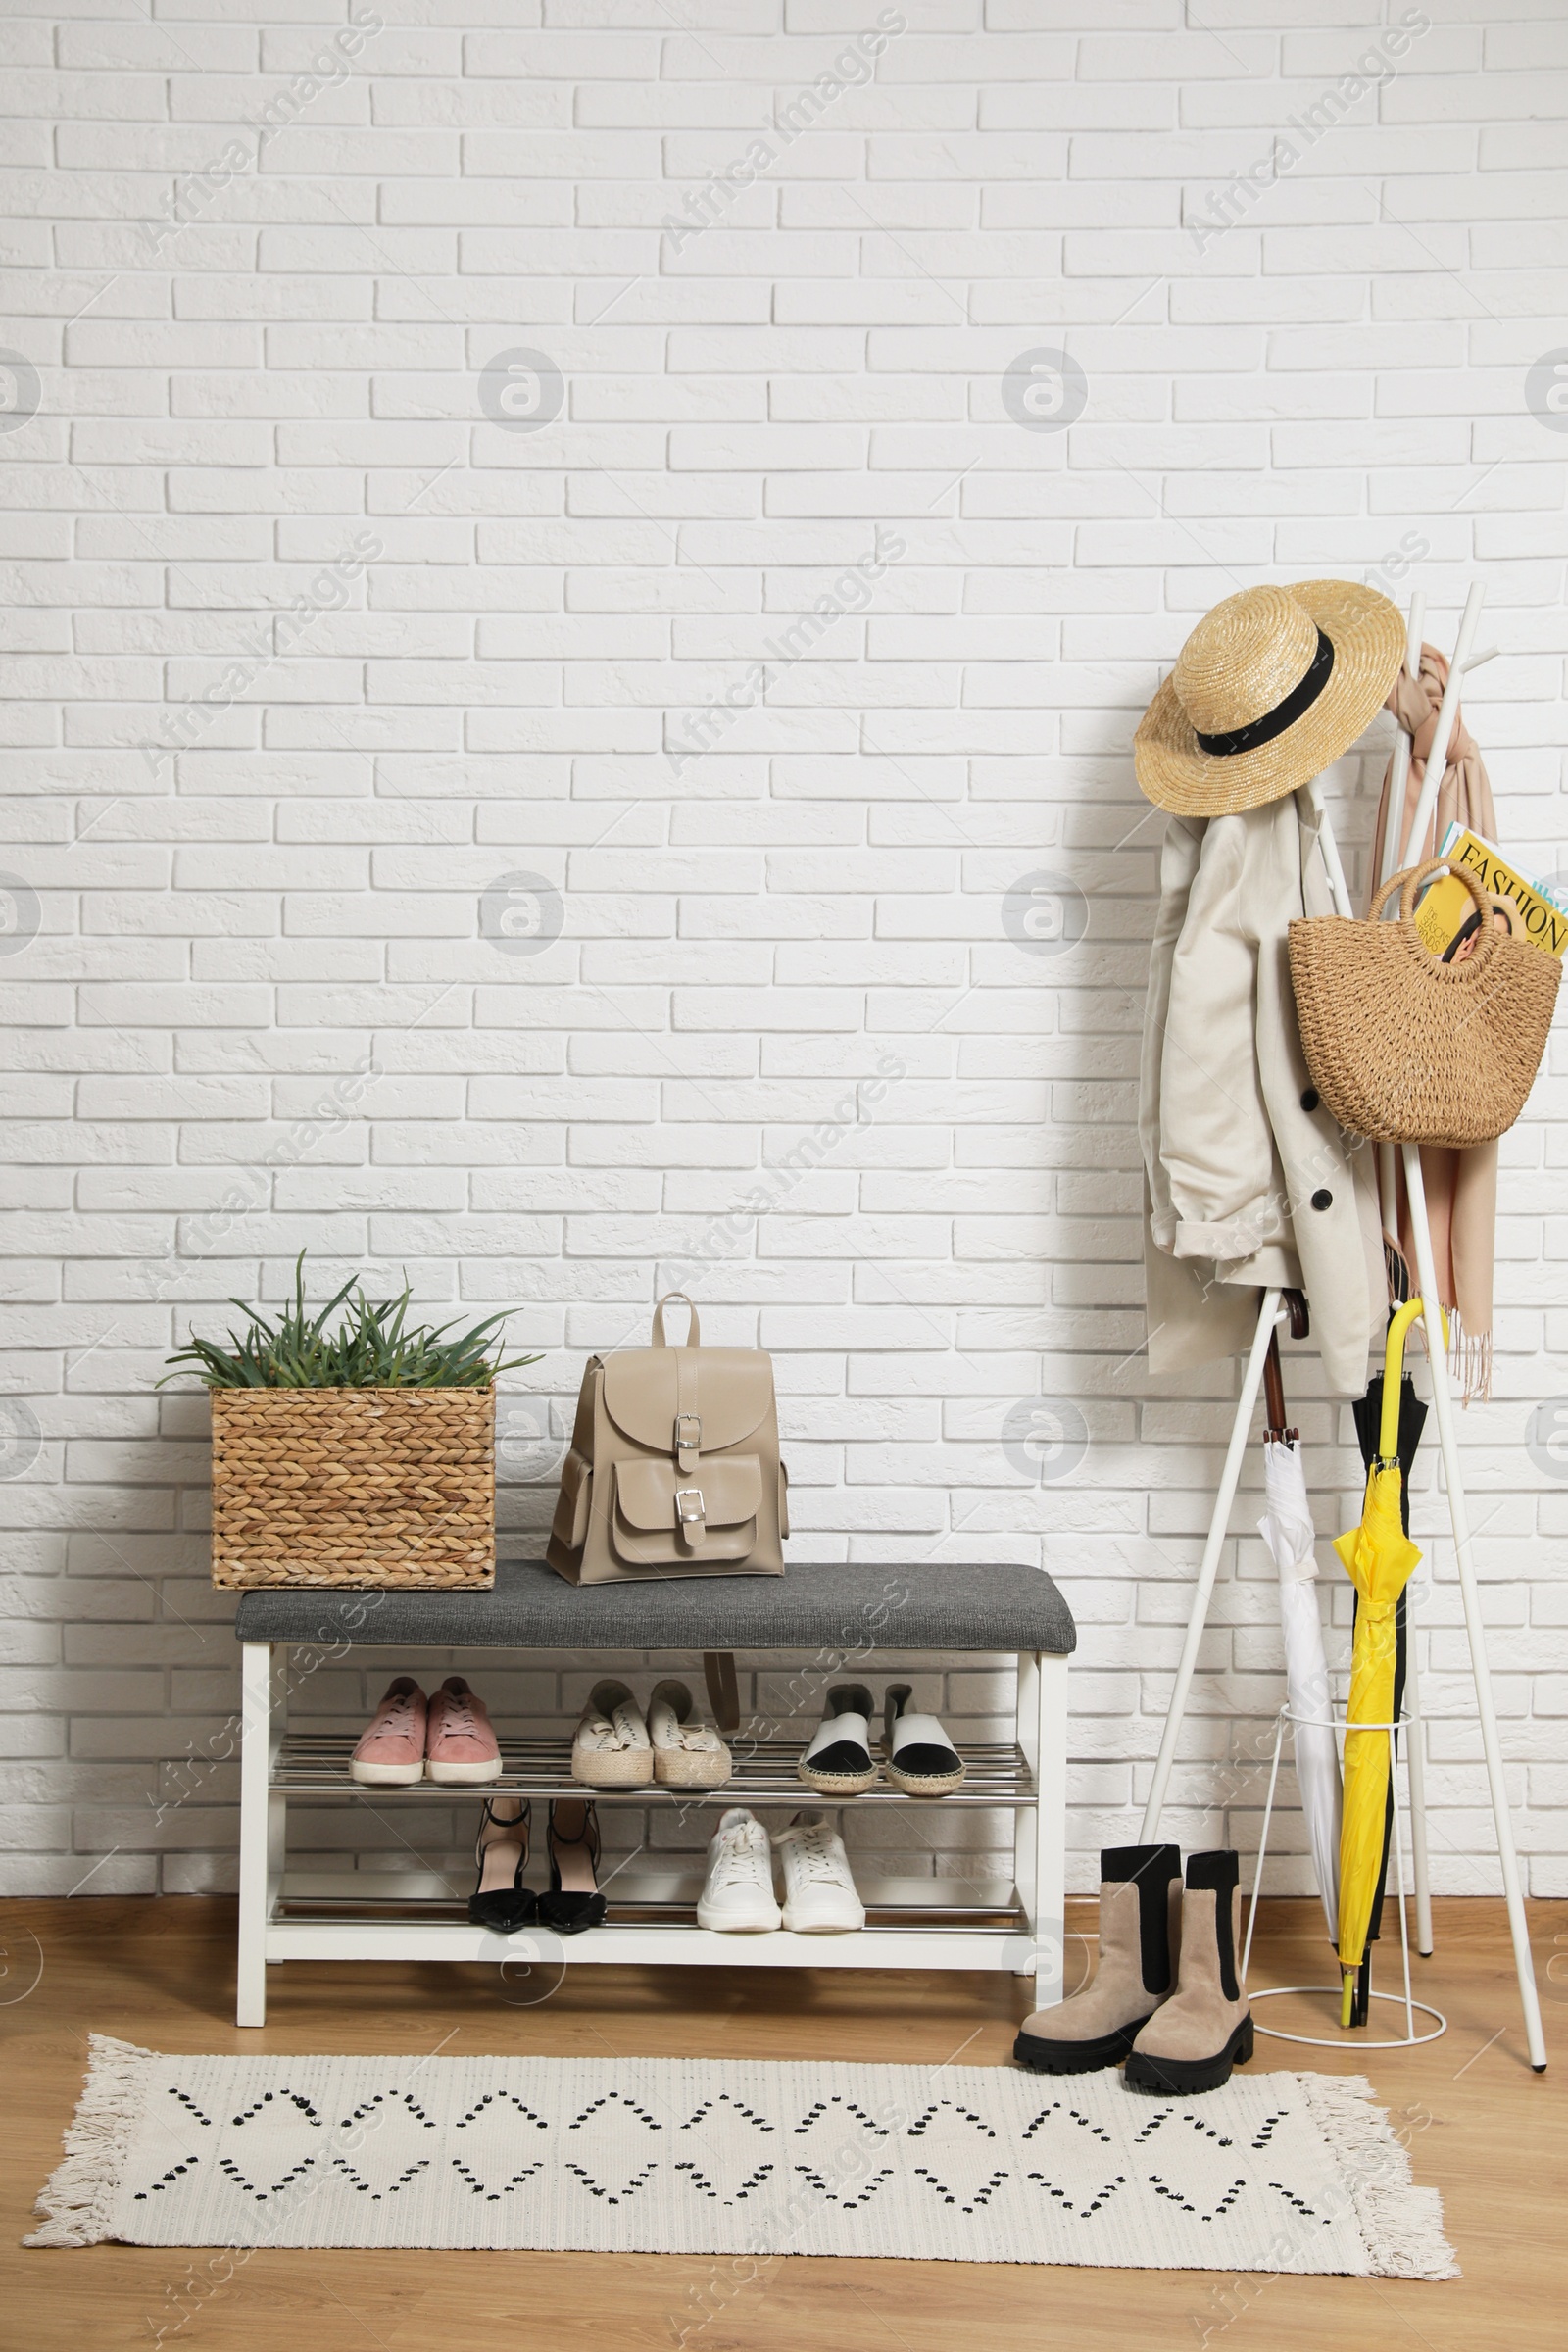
(391, 1753)
(460, 1747)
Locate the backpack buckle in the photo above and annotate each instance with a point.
(692, 1513)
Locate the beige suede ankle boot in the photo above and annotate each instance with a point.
(1205, 2029)
(1140, 1914)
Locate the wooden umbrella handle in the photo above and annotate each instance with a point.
(1274, 1396)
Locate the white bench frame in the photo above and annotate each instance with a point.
(1031, 1947)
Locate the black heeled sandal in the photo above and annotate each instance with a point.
(500, 1899)
(573, 1902)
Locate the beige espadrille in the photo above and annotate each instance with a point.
(612, 1748)
(688, 1753)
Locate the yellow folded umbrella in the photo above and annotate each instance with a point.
(1379, 1557)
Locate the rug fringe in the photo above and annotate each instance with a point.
(1401, 2222)
(79, 2193)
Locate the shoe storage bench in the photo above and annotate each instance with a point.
(837, 1615)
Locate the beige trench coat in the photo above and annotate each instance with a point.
(1249, 1181)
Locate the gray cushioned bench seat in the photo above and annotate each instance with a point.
(931, 1606)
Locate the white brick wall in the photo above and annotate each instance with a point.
(309, 655)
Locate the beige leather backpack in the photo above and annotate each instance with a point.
(673, 1468)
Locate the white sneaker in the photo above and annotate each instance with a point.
(819, 1897)
(612, 1748)
(737, 1896)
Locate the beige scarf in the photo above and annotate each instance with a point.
(1461, 1186)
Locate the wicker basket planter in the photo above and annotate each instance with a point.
(391, 1486)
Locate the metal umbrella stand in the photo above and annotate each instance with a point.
(1334, 1721)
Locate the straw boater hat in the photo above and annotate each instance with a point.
(1269, 687)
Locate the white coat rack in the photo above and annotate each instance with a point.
(1395, 858)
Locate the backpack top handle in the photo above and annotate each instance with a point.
(694, 1336)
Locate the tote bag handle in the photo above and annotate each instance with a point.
(1410, 881)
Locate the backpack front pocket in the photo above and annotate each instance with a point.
(664, 1516)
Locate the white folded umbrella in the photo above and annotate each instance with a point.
(1287, 1529)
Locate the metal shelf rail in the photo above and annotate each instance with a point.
(317, 1764)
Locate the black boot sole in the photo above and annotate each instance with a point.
(1076, 2057)
(1181, 2077)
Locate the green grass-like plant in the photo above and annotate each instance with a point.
(372, 1347)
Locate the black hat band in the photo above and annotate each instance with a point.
(1284, 714)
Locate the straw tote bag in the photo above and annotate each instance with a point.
(1405, 1048)
(673, 1468)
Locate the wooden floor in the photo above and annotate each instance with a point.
(1480, 2127)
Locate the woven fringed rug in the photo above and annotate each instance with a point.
(1281, 2172)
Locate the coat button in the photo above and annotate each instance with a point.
(1312, 1098)
(1323, 1199)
